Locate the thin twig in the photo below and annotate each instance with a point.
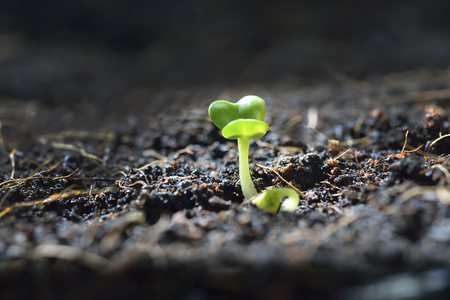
(13, 162)
(66, 193)
(406, 140)
(438, 139)
(444, 170)
(156, 162)
(78, 149)
(332, 185)
(284, 180)
(342, 154)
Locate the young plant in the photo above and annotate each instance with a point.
(243, 121)
(270, 200)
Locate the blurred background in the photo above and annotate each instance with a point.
(63, 52)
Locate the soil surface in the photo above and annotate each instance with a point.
(114, 189)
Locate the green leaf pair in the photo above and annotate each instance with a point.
(242, 119)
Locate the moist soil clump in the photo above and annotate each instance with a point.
(151, 203)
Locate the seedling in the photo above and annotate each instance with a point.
(243, 121)
(270, 200)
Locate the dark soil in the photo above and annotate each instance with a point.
(138, 193)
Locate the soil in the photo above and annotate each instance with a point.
(139, 194)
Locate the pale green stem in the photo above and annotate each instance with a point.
(248, 188)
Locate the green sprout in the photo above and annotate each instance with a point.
(270, 200)
(243, 121)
